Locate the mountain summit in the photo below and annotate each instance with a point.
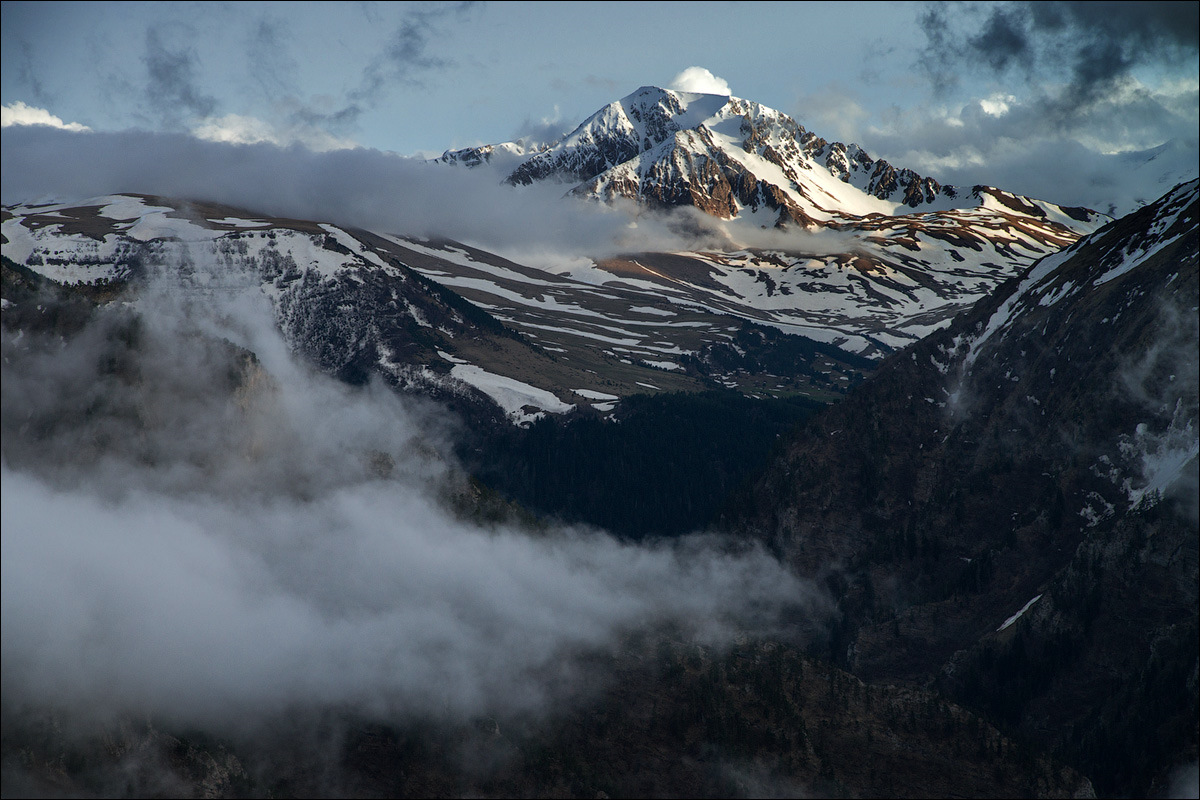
(723, 155)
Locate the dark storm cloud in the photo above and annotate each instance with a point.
(410, 50)
(1097, 44)
(24, 48)
(1024, 152)
(1003, 39)
(172, 87)
(1068, 95)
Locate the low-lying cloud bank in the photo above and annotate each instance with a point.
(364, 188)
(214, 551)
(360, 187)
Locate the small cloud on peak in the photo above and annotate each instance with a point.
(21, 114)
(700, 81)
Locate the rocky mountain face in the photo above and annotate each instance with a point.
(722, 155)
(491, 153)
(346, 300)
(360, 304)
(892, 255)
(725, 156)
(514, 342)
(419, 312)
(1007, 510)
(888, 280)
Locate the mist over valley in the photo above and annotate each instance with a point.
(669, 447)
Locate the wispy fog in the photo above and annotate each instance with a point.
(194, 534)
(1162, 381)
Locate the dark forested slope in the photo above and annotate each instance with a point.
(1039, 456)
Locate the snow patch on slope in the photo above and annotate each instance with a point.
(1008, 622)
(515, 397)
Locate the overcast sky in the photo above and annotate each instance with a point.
(978, 92)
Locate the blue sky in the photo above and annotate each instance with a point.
(978, 92)
(416, 77)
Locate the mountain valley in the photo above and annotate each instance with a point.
(913, 465)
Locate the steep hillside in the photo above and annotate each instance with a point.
(1008, 509)
(523, 343)
(352, 304)
(673, 718)
(347, 300)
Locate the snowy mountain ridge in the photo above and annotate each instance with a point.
(585, 335)
(729, 157)
(1048, 285)
(341, 298)
(807, 315)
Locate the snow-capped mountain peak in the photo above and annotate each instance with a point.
(724, 155)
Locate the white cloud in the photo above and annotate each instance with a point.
(997, 105)
(21, 114)
(228, 557)
(235, 129)
(239, 129)
(1112, 153)
(700, 81)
